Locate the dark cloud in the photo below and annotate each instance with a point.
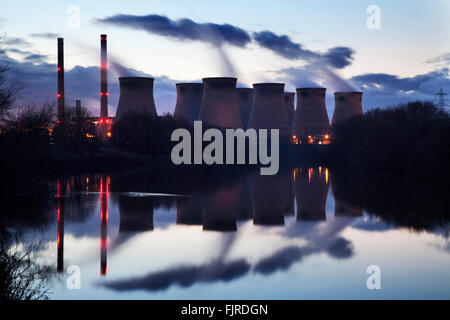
(184, 276)
(182, 29)
(35, 57)
(281, 260)
(339, 57)
(46, 35)
(283, 46)
(16, 42)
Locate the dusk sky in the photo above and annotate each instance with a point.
(300, 43)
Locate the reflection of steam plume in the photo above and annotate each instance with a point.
(268, 198)
(311, 189)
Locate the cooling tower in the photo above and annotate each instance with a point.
(103, 78)
(268, 109)
(136, 95)
(268, 195)
(346, 105)
(245, 97)
(341, 207)
(136, 214)
(189, 101)
(219, 105)
(289, 99)
(311, 190)
(60, 95)
(189, 211)
(221, 208)
(311, 116)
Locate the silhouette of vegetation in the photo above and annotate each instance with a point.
(145, 134)
(21, 277)
(411, 138)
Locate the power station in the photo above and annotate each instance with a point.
(245, 98)
(219, 106)
(289, 105)
(189, 101)
(346, 106)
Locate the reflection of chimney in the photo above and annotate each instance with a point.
(311, 116)
(60, 239)
(244, 97)
(268, 199)
(289, 99)
(136, 96)
(104, 78)
(60, 95)
(219, 105)
(136, 214)
(189, 211)
(104, 197)
(221, 208)
(189, 101)
(341, 207)
(346, 105)
(311, 190)
(268, 111)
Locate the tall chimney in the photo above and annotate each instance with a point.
(289, 98)
(136, 95)
(311, 116)
(346, 105)
(104, 78)
(60, 95)
(219, 106)
(245, 97)
(268, 111)
(189, 101)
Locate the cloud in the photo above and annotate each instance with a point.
(339, 57)
(283, 46)
(184, 276)
(182, 29)
(10, 41)
(46, 35)
(442, 59)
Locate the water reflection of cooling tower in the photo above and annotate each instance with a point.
(290, 204)
(219, 105)
(244, 97)
(346, 105)
(189, 211)
(289, 100)
(311, 190)
(136, 214)
(341, 207)
(268, 199)
(136, 95)
(311, 116)
(221, 208)
(245, 202)
(268, 108)
(189, 101)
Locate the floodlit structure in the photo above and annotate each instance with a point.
(244, 97)
(268, 109)
(311, 118)
(346, 105)
(219, 105)
(311, 190)
(289, 101)
(103, 78)
(189, 101)
(60, 68)
(136, 96)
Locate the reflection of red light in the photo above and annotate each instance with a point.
(107, 94)
(59, 95)
(101, 93)
(59, 69)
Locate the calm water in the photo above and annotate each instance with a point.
(304, 234)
